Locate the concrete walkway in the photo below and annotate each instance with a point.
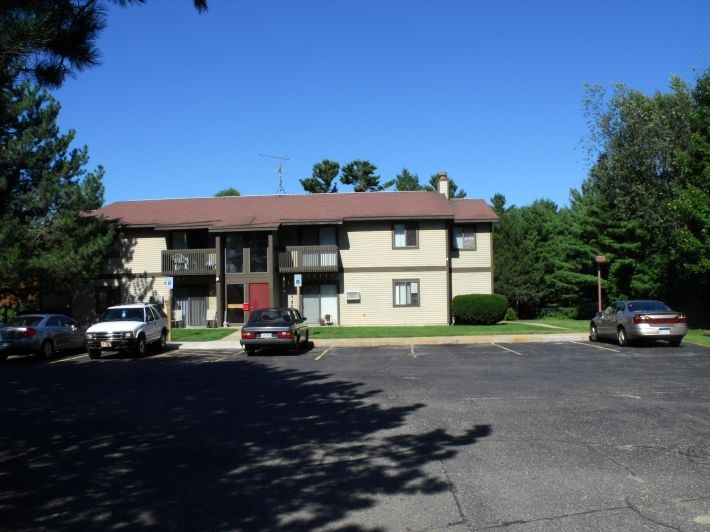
(232, 341)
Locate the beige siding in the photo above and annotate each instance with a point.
(144, 252)
(481, 256)
(376, 305)
(371, 265)
(471, 283)
(367, 245)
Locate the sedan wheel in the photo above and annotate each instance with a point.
(593, 336)
(48, 350)
(621, 337)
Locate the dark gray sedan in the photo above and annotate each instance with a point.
(283, 328)
(639, 319)
(42, 334)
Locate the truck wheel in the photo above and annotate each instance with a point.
(94, 353)
(140, 346)
(163, 342)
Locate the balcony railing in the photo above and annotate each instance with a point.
(304, 259)
(189, 262)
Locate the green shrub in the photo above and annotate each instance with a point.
(510, 314)
(485, 309)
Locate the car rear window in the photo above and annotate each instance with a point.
(647, 306)
(267, 317)
(24, 321)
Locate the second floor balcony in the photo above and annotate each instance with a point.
(305, 259)
(189, 262)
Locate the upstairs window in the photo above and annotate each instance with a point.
(405, 235)
(464, 237)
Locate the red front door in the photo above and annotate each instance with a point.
(259, 296)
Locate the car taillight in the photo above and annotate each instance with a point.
(642, 318)
(286, 335)
(30, 331)
(248, 335)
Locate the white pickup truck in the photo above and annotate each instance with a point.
(128, 328)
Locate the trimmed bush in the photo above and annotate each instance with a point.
(479, 309)
(510, 314)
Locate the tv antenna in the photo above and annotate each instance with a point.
(281, 159)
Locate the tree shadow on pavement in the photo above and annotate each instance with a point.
(173, 444)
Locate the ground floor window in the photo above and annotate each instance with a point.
(406, 293)
(106, 296)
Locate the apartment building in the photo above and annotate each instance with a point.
(367, 258)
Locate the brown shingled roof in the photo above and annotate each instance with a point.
(270, 212)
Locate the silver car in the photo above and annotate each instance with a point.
(42, 334)
(639, 319)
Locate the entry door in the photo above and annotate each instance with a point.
(192, 300)
(329, 301)
(259, 296)
(311, 303)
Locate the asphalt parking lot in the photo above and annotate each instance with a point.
(516, 437)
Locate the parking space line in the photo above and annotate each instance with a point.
(323, 353)
(598, 346)
(507, 349)
(411, 351)
(66, 359)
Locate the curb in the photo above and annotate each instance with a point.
(419, 340)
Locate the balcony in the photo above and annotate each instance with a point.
(305, 259)
(188, 262)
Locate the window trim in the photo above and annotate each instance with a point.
(418, 292)
(408, 226)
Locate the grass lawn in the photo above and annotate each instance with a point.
(545, 326)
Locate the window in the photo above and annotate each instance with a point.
(247, 247)
(405, 235)
(464, 237)
(406, 293)
(179, 240)
(258, 247)
(235, 253)
(105, 297)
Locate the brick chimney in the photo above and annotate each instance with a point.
(444, 184)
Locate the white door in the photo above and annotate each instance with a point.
(311, 304)
(329, 301)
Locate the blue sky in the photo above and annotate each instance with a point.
(186, 105)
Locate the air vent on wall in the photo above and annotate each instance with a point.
(352, 296)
